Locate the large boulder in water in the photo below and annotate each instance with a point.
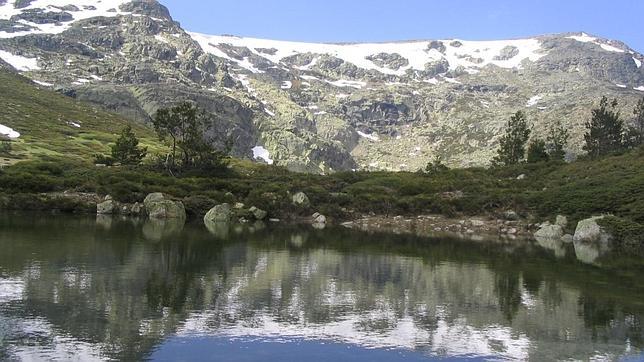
(590, 231)
(107, 207)
(158, 206)
(220, 214)
(591, 240)
(549, 232)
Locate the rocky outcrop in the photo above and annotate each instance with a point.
(158, 206)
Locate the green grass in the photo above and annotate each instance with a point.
(44, 120)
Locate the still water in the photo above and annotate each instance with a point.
(81, 288)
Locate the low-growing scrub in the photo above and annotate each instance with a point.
(585, 188)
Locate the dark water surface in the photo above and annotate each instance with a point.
(81, 288)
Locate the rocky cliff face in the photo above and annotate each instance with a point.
(318, 107)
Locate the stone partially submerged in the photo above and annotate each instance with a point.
(220, 214)
(158, 206)
(591, 240)
(590, 231)
(549, 231)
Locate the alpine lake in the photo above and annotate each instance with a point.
(102, 288)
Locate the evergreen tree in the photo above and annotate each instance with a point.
(557, 141)
(638, 128)
(605, 130)
(512, 148)
(186, 126)
(126, 151)
(537, 151)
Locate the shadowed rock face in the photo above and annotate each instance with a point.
(324, 107)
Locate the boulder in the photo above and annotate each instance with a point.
(511, 215)
(108, 207)
(561, 221)
(157, 206)
(567, 239)
(137, 209)
(319, 219)
(220, 214)
(300, 199)
(259, 214)
(590, 231)
(549, 232)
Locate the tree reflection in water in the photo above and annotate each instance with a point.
(117, 288)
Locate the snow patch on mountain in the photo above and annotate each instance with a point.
(21, 63)
(638, 62)
(459, 53)
(368, 136)
(86, 9)
(534, 101)
(585, 38)
(259, 152)
(8, 132)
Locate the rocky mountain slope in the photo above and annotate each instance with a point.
(318, 107)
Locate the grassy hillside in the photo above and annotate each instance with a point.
(51, 124)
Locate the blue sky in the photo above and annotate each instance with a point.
(384, 20)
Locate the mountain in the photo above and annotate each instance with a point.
(318, 107)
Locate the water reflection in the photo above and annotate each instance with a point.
(100, 289)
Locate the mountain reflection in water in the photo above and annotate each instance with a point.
(96, 289)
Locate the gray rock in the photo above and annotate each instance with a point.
(521, 177)
(386, 60)
(511, 215)
(477, 223)
(549, 232)
(507, 53)
(108, 207)
(562, 221)
(157, 206)
(568, 239)
(137, 209)
(300, 199)
(259, 214)
(319, 219)
(589, 231)
(220, 214)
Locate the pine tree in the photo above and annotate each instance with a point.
(186, 125)
(638, 128)
(126, 151)
(513, 142)
(605, 130)
(557, 141)
(537, 151)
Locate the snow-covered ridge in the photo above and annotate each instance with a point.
(585, 38)
(459, 53)
(86, 9)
